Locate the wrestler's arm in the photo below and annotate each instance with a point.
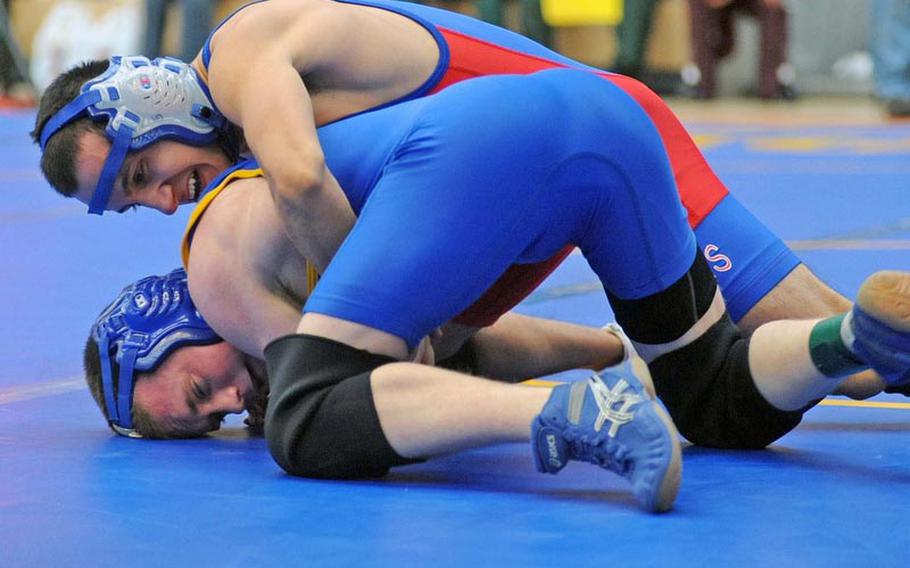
(519, 347)
(257, 84)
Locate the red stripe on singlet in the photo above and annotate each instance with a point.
(699, 189)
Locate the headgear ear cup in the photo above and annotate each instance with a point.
(143, 101)
(148, 320)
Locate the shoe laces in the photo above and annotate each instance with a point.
(604, 452)
(615, 403)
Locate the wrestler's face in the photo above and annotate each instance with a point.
(162, 176)
(196, 386)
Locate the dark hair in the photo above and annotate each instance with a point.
(58, 161)
(143, 423)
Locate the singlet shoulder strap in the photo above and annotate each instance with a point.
(243, 170)
(207, 46)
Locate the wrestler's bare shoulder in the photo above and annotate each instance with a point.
(332, 38)
(247, 279)
(349, 55)
(242, 228)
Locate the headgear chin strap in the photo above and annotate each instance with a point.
(144, 101)
(147, 321)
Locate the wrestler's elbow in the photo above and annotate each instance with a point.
(299, 182)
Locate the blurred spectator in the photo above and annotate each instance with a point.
(15, 89)
(891, 54)
(713, 38)
(197, 23)
(532, 24)
(632, 37)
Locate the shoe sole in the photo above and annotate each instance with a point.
(672, 477)
(886, 297)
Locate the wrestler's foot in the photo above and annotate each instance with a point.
(880, 322)
(611, 422)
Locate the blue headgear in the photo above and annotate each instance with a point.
(147, 321)
(144, 101)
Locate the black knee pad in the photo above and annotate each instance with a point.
(668, 314)
(709, 391)
(321, 420)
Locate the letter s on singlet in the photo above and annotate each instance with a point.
(719, 262)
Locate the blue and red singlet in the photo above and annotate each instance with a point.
(432, 236)
(747, 258)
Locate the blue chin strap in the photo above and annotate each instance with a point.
(143, 102)
(148, 321)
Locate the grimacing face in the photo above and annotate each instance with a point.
(162, 176)
(200, 384)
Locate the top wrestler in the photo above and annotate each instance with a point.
(279, 68)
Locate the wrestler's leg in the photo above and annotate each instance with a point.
(434, 235)
(802, 294)
(788, 300)
(761, 279)
(465, 412)
(721, 389)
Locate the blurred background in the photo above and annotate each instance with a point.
(770, 49)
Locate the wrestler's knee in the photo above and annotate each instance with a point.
(321, 420)
(715, 403)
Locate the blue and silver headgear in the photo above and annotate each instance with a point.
(148, 320)
(144, 101)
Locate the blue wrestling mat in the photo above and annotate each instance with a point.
(835, 492)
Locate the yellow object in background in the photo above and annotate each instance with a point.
(558, 13)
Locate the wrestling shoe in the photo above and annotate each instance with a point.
(880, 325)
(610, 421)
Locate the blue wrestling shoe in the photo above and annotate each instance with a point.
(880, 324)
(610, 421)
